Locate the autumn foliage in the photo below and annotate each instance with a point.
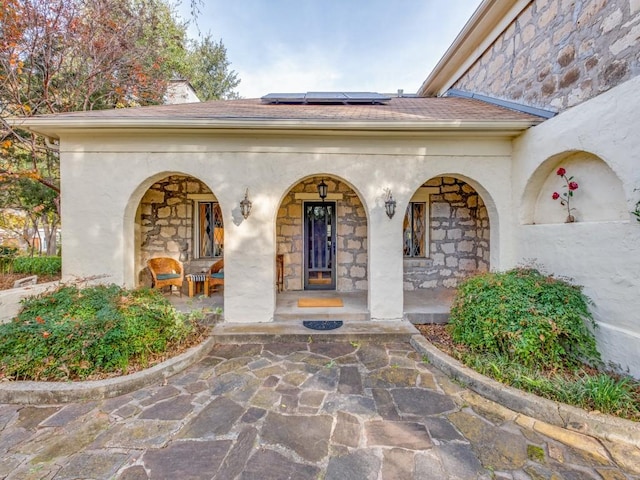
(71, 55)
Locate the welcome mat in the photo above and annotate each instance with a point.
(320, 302)
(322, 324)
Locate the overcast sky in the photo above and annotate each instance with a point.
(279, 46)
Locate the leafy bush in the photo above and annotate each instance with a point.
(7, 255)
(37, 265)
(76, 333)
(530, 318)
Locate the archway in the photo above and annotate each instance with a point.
(446, 235)
(344, 244)
(178, 216)
(599, 196)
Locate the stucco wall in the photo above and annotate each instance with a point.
(601, 255)
(100, 216)
(559, 53)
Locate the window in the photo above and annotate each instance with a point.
(414, 230)
(210, 230)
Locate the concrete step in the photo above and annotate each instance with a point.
(294, 331)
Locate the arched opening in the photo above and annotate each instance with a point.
(599, 196)
(446, 235)
(321, 244)
(178, 216)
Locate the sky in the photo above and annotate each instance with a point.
(297, 46)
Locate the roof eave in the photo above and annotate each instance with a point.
(53, 129)
(489, 20)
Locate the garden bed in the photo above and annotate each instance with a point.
(587, 388)
(93, 333)
(8, 279)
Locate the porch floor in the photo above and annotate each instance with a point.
(420, 306)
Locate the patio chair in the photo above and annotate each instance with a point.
(166, 272)
(215, 277)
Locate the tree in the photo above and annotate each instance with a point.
(70, 55)
(207, 69)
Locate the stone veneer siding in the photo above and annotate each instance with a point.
(166, 218)
(458, 235)
(559, 53)
(351, 236)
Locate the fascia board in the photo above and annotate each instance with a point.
(60, 127)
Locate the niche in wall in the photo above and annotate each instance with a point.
(599, 196)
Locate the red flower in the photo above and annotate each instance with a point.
(573, 186)
(561, 171)
(555, 195)
(39, 319)
(46, 334)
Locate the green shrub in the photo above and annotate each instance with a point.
(75, 333)
(530, 318)
(7, 255)
(37, 265)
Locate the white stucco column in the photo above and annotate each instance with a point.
(249, 265)
(385, 264)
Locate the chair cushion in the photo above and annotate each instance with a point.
(167, 276)
(217, 275)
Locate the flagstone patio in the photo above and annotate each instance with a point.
(299, 410)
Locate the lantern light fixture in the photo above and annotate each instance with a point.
(245, 205)
(322, 190)
(389, 204)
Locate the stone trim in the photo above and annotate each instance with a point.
(316, 198)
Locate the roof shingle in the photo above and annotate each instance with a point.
(403, 109)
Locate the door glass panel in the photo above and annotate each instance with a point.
(211, 230)
(414, 230)
(319, 245)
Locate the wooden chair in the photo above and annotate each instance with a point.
(215, 277)
(166, 272)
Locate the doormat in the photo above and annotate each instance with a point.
(322, 324)
(320, 302)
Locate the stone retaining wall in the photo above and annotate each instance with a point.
(459, 237)
(351, 236)
(559, 53)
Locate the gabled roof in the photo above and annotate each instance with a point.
(409, 114)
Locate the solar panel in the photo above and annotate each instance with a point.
(326, 97)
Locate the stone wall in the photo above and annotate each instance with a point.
(166, 218)
(559, 53)
(351, 236)
(458, 237)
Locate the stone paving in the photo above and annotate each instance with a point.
(332, 410)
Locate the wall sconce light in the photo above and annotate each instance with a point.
(389, 204)
(322, 190)
(245, 205)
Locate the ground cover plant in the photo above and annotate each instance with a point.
(78, 333)
(534, 332)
